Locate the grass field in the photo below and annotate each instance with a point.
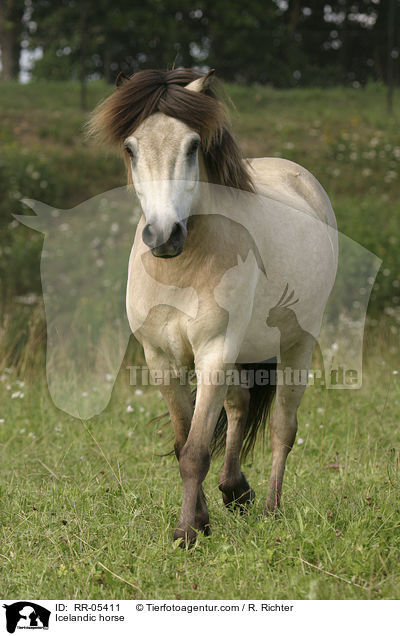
(88, 509)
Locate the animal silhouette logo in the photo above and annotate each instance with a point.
(26, 615)
(281, 312)
(84, 266)
(284, 318)
(83, 270)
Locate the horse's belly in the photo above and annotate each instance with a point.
(256, 352)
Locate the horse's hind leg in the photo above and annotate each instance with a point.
(283, 427)
(236, 492)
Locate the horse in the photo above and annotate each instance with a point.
(272, 225)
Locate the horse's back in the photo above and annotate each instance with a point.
(291, 184)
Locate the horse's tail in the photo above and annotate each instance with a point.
(261, 397)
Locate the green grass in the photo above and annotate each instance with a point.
(84, 504)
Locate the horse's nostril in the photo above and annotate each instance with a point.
(155, 240)
(149, 236)
(176, 233)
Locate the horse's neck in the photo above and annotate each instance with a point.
(202, 200)
(202, 168)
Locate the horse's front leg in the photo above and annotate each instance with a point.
(180, 406)
(179, 400)
(194, 459)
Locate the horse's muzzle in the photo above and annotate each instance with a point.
(170, 248)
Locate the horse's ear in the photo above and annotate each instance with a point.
(121, 79)
(42, 221)
(201, 84)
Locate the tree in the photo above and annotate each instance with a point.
(11, 27)
(118, 36)
(282, 43)
(244, 40)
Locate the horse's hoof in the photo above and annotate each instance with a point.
(239, 496)
(206, 530)
(203, 525)
(272, 510)
(186, 538)
(240, 503)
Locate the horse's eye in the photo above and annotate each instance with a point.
(129, 151)
(192, 148)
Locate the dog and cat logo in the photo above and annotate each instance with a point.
(26, 615)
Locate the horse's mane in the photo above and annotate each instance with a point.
(151, 91)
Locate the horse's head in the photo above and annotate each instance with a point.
(164, 166)
(170, 124)
(164, 163)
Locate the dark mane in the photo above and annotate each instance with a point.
(152, 91)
